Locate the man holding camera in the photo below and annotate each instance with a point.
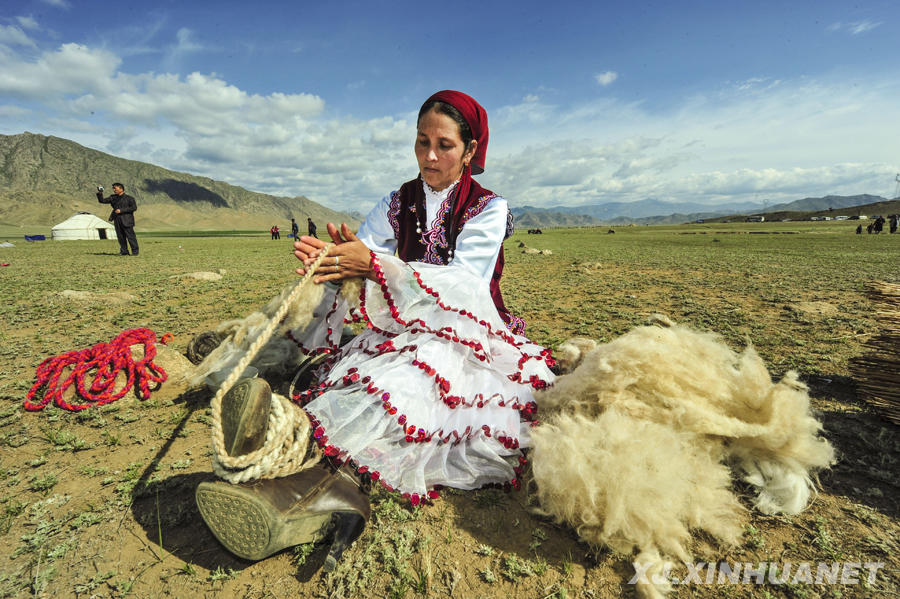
(122, 217)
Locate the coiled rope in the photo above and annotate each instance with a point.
(109, 359)
(287, 436)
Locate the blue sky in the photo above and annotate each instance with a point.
(589, 102)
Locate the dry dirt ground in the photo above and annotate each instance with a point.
(101, 503)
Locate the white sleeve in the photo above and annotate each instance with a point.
(479, 243)
(376, 231)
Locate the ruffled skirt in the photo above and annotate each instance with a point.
(435, 392)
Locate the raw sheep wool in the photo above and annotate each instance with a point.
(639, 443)
(280, 353)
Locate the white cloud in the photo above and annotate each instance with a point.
(862, 27)
(11, 111)
(58, 3)
(606, 77)
(785, 139)
(10, 35)
(779, 137)
(184, 45)
(28, 23)
(854, 28)
(73, 69)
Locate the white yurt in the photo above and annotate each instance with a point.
(83, 225)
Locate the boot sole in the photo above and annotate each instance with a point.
(250, 527)
(245, 416)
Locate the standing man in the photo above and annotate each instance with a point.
(311, 226)
(122, 216)
(295, 229)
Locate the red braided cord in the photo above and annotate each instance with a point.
(108, 359)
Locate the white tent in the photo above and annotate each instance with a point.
(83, 225)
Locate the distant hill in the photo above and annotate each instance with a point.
(883, 208)
(547, 220)
(826, 203)
(44, 180)
(642, 209)
(655, 212)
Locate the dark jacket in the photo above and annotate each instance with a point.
(124, 203)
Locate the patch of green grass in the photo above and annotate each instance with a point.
(94, 583)
(387, 509)
(37, 461)
(112, 439)
(65, 440)
(85, 519)
(220, 574)
(12, 510)
(43, 484)
(753, 538)
(92, 471)
(826, 542)
(302, 552)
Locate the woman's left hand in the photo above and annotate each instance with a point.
(349, 258)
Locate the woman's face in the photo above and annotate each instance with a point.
(440, 150)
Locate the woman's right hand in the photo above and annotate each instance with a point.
(349, 258)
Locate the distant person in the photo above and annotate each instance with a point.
(895, 220)
(295, 229)
(274, 232)
(869, 228)
(879, 225)
(311, 227)
(859, 230)
(122, 216)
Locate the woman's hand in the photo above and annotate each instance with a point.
(349, 258)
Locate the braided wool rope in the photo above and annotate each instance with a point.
(287, 437)
(285, 449)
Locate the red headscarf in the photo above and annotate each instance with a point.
(475, 116)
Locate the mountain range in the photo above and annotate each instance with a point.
(44, 180)
(656, 212)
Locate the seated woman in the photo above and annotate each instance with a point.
(437, 391)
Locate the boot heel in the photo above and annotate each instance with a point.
(347, 528)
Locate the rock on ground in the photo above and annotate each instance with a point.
(200, 276)
(87, 296)
(814, 308)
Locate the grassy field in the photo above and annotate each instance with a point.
(100, 503)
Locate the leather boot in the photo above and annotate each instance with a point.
(256, 519)
(245, 416)
(253, 520)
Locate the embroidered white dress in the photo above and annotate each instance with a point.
(436, 391)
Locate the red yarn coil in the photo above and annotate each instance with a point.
(108, 359)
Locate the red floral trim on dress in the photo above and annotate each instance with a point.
(333, 348)
(446, 332)
(412, 434)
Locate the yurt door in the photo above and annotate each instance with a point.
(102, 233)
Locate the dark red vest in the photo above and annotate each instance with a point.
(408, 206)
